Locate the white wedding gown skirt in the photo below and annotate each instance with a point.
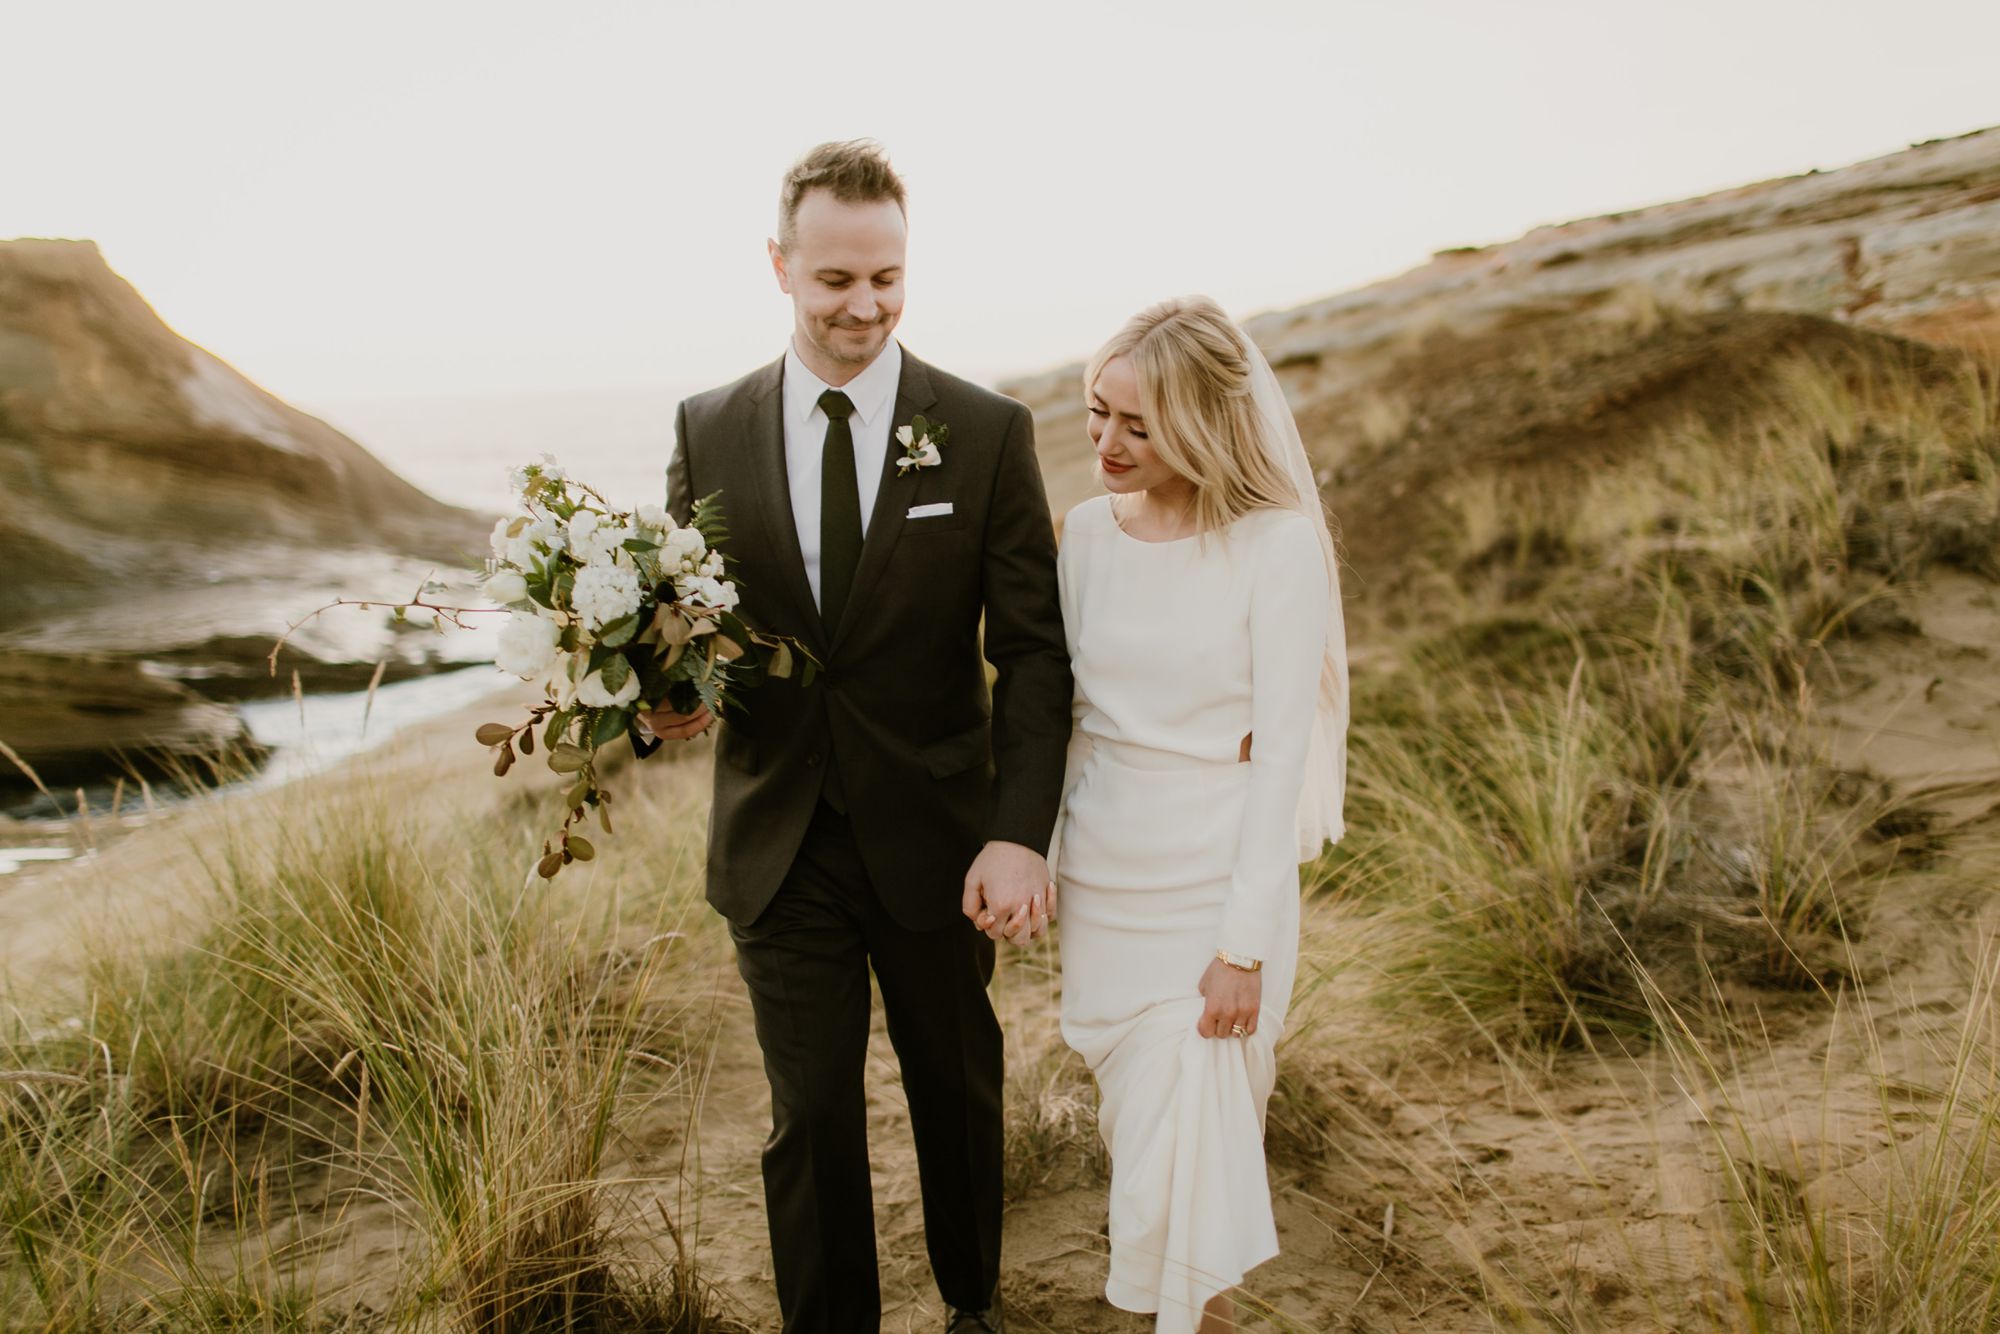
(1148, 844)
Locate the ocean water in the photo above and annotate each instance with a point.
(319, 731)
(460, 448)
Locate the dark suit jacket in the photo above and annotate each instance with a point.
(929, 767)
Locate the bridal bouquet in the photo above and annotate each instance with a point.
(612, 612)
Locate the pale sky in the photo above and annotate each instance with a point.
(359, 200)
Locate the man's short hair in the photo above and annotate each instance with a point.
(856, 170)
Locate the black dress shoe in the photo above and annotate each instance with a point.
(988, 1321)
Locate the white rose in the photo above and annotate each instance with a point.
(928, 457)
(683, 544)
(534, 538)
(705, 591)
(559, 685)
(527, 645)
(593, 693)
(506, 587)
(652, 516)
(603, 593)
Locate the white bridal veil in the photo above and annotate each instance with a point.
(1325, 788)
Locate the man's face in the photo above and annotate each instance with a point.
(844, 274)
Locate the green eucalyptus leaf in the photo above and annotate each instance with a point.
(617, 670)
(618, 633)
(610, 725)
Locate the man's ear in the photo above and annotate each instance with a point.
(778, 267)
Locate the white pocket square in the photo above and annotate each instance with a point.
(929, 511)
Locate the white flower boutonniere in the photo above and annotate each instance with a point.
(921, 440)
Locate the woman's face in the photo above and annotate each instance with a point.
(1125, 458)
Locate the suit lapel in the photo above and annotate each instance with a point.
(892, 497)
(773, 489)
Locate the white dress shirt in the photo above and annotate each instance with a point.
(873, 393)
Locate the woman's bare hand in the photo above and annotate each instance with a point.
(1234, 998)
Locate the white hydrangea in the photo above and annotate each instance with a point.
(593, 693)
(603, 593)
(594, 542)
(527, 645)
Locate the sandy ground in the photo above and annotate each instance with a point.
(1443, 1187)
(1456, 1182)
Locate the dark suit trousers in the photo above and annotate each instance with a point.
(806, 960)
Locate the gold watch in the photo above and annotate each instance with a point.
(1238, 961)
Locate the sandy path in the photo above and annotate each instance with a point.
(1454, 1185)
(1442, 1187)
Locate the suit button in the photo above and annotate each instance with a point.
(812, 760)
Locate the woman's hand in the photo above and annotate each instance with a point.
(1234, 997)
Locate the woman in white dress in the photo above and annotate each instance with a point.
(1201, 599)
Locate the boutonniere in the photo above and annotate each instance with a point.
(921, 440)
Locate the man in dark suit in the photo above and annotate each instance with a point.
(847, 812)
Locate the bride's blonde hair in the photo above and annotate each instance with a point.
(1194, 392)
(1201, 416)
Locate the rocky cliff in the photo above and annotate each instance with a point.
(162, 518)
(127, 453)
(1905, 245)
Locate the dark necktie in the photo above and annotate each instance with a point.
(839, 510)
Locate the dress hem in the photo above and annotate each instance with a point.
(1130, 1297)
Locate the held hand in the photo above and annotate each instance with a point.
(1032, 920)
(1005, 892)
(1233, 997)
(670, 726)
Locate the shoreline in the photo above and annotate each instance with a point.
(295, 738)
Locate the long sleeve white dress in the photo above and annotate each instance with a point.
(1168, 848)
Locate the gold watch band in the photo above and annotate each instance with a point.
(1238, 961)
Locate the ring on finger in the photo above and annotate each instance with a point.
(1236, 1031)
